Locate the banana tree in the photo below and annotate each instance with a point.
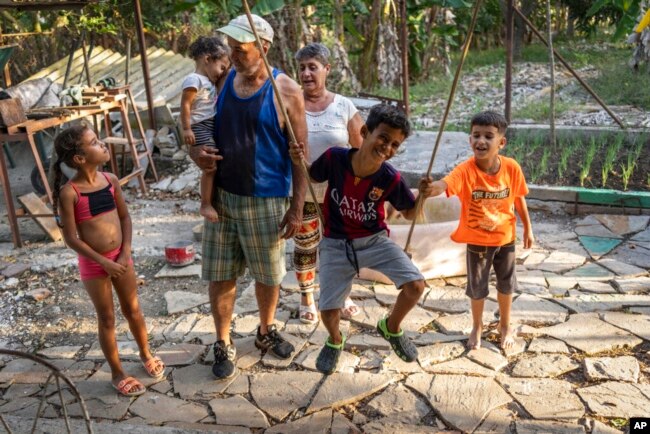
(624, 17)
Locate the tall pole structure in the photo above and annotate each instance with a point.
(405, 57)
(510, 31)
(145, 62)
(549, 30)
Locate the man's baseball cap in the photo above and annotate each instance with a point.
(240, 29)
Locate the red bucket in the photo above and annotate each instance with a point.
(180, 253)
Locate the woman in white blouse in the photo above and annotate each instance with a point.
(332, 120)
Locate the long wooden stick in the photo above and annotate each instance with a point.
(292, 136)
(450, 100)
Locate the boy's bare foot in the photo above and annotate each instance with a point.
(508, 335)
(474, 341)
(209, 212)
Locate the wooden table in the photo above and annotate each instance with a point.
(24, 132)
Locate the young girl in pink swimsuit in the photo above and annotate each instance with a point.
(96, 224)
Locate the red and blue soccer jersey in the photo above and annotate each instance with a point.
(354, 207)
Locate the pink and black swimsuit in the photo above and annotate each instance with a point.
(88, 206)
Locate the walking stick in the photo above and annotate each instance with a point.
(468, 40)
(292, 136)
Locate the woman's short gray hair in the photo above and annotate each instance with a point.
(315, 50)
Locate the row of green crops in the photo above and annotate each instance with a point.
(592, 161)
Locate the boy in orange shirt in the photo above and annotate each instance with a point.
(490, 188)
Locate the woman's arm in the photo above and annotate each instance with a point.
(354, 130)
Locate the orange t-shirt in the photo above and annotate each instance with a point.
(487, 216)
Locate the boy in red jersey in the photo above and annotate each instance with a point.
(359, 182)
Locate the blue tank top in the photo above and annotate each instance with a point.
(255, 151)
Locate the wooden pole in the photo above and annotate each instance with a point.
(450, 100)
(510, 31)
(86, 61)
(145, 63)
(551, 120)
(571, 70)
(127, 71)
(405, 57)
(278, 96)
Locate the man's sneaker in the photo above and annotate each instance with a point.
(401, 344)
(273, 342)
(224, 358)
(329, 355)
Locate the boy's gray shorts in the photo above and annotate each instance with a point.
(337, 265)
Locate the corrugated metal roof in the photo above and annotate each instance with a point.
(39, 5)
(167, 70)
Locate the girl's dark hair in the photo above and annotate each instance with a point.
(213, 46)
(67, 144)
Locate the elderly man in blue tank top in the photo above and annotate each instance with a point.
(251, 193)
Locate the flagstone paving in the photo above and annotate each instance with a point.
(588, 333)
(581, 360)
(544, 365)
(625, 368)
(545, 345)
(461, 401)
(545, 398)
(615, 399)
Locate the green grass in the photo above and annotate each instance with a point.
(585, 166)
(540, 111)
(616, 83)
(568, 149)
(420, 93)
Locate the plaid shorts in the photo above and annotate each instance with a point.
(247, 233)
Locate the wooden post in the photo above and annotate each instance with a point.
(127, 71)
(551, 121)
(145, 63)
(68, 67)
(405, 57)
(510, 30)
(86, 61)
(9, 200)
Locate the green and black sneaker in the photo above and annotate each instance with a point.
(329, 355)
(401, 344)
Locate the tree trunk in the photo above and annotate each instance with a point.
(174, 40)
(342, 74)
(368, 75)
(527, 7)
(287, 24)
(389, 58)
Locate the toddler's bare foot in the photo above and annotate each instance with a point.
(508, 335)
(474, 341)
(209, 212)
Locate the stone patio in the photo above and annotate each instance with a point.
(580, 365)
